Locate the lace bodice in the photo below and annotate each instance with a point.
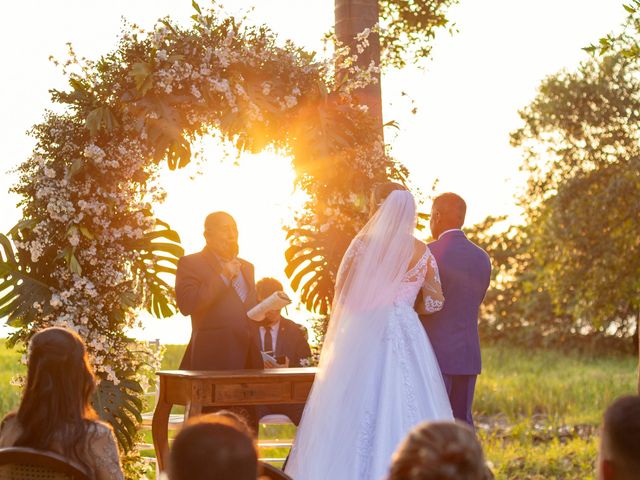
(423, 275)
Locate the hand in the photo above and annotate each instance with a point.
(231, 269)
(270, 364)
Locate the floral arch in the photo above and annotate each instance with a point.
(88, 252)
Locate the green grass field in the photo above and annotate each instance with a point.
(538, 411)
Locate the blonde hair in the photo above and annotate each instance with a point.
(440, 451)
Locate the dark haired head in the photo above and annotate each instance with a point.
(620, 440)
(56, 402)
(447, 212)
(267, 286)
(221, 235)
(213, 447)
(440, 451)
(381, 192)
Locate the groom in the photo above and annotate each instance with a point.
(465, 271)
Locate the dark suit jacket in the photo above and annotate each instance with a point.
(465, 271)
(292, 341)
(220, 330)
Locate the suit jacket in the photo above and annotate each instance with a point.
(291, 342)
(465, 271)
(220, 329)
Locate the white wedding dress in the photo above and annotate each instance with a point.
(378, 375)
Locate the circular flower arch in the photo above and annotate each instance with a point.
(89, 252)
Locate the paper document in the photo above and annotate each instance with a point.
(275, 301)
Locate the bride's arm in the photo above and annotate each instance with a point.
(432, 296)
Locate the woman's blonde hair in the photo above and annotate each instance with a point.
(440, 451)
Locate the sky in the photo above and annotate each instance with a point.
(467, 98)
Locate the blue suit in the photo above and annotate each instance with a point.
(465, 272)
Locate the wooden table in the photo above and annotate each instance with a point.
(198, 389)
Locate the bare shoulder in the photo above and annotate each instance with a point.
(419, 248)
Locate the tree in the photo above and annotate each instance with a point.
(407, 28)
(580, 145)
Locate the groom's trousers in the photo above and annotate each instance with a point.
(460, 389)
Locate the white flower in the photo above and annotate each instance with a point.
(94, 153)
(74, 238)
(266, 88)
(49, 172)
(36, 249)
(296, 91)
(55, 301)
(290, 101)
(162, 55)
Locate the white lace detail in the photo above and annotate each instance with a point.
(412, 281)
(365, 444)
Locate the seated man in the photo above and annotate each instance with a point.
(284, 340)
(213, 447)
(619, 456)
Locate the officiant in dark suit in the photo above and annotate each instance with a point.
(216, 288)
(284, 340)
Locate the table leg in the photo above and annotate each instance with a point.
(193, 410)
(160, 430)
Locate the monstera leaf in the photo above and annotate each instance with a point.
(159, 252)
(19, 289)
(312, 263)
(121, 406)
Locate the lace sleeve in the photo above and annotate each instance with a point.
(104, 451)
(432, 288)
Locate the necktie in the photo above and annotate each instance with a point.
(239, 286)
(268, 340)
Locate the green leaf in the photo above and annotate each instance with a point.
(196, 6)
(74, 265)
(629, 8)
(93, 121)
(85, 231)
(142, 75)
(76, 166)
(19, 289)
(119, 405)
(169, 26)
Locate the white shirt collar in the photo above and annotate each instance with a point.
(273, 327)
(447, 231)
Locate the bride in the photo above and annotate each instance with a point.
(378, 375)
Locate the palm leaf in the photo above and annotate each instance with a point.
(313, 258)
(19, 289)
(159, 251)
(121, 406)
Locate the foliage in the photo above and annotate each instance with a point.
(581, 152)
(529, 402)
(626, 42)
(408, 28)
(568, 275)
(89, 253)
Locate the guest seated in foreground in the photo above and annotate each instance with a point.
(283, 340)
(440, 451)
(55, 412)
(619, 456)
(214, 447)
